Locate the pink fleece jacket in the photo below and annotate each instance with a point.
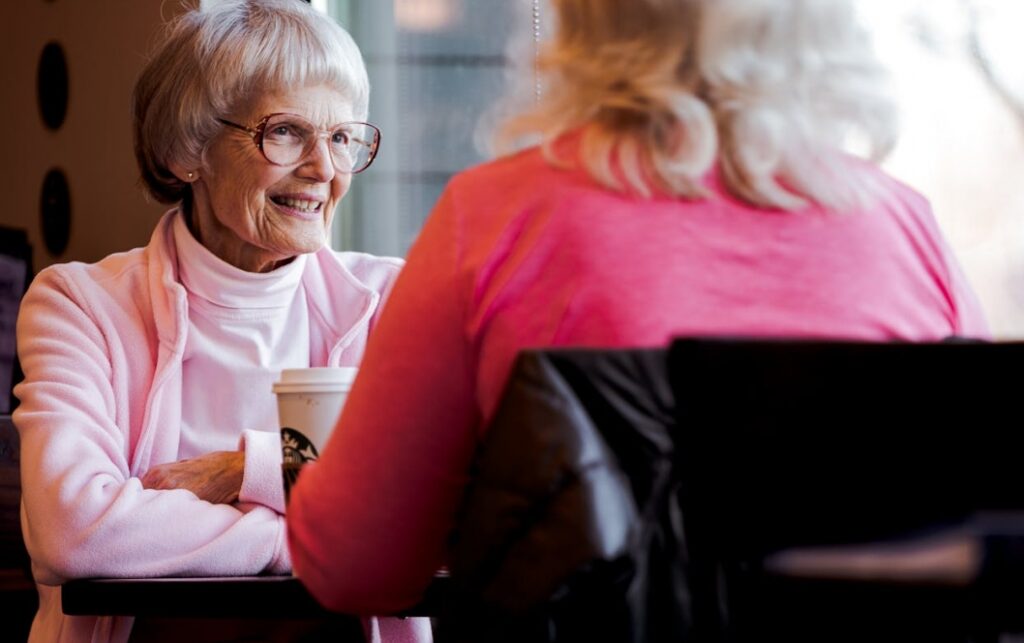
(101, 346)
(519, 254)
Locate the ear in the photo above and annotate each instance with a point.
(184, 174)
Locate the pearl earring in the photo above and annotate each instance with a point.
(190, 175)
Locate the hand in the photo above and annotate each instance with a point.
(215, 477)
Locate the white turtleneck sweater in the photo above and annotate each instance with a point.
(243, 328)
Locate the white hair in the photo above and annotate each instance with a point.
(661, 90)
(215, 58)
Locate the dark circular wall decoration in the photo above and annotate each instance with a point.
(55, 212)
(52, 85)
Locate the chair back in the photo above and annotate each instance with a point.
(617, 492)
(15, 276)
(795, 443)
(17, 589)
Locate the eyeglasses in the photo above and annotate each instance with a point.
(287, 139)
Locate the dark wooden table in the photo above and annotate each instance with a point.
(204, 597)
(232, 597)
(276, 609)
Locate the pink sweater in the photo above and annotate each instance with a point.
(101, 346)
(518, 254)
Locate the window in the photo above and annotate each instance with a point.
(956, 73)
(436, 67)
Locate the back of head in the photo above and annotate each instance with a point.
(214, 59)
(662, 90)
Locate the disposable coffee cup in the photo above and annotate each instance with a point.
(309, 401)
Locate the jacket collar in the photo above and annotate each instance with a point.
(341, 301)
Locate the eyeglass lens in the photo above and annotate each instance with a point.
(287, 139)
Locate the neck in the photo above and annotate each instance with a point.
(214, 237)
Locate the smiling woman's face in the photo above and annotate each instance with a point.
(256, 215)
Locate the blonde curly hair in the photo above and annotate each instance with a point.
(661, 90)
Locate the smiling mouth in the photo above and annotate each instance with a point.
(301, 205)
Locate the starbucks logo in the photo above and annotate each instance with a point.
(296, 447)
(296, 450)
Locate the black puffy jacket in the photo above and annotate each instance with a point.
(572, 530)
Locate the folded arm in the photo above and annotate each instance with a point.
(86, 513)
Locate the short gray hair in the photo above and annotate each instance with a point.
(213, 59)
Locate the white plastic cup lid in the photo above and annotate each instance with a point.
(317, 379)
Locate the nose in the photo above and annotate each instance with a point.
(318, 164)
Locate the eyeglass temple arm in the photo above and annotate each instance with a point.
(255, 133)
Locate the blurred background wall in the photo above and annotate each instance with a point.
(104, 42)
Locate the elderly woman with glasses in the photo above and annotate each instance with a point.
(149, 437)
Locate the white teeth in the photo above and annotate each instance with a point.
(300, 204)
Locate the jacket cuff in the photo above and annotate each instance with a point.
(262, 482)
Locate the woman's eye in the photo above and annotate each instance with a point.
(283, 132)
(340, 138)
